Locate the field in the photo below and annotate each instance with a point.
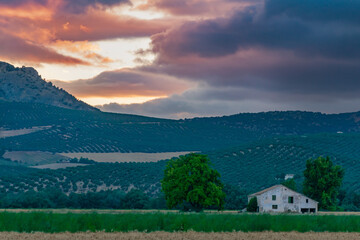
(183, 235)
(18, 132)
(125, 157)
(50, 222)
(59, 165)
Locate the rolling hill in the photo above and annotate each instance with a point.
(67, 130)
(252, 166)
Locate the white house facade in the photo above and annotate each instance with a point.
(281, 199)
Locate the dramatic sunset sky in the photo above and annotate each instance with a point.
(185, 58)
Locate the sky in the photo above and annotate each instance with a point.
(190, 58)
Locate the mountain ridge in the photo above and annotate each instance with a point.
(26, 85)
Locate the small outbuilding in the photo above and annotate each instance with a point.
(281, 199)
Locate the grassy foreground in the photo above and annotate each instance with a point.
(190, 235)
(170, 222)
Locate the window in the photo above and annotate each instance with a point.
(274, 206)
(291, 199)
(307, 200)
(273, 197)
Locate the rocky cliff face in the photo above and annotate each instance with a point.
(25, 85)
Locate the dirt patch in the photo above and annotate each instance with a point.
(125, 157)
(12, 133)
(184, 235)
(59, 165)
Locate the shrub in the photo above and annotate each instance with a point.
(253, 205)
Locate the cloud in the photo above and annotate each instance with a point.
(99, 25)
(15, 48)
(209, 101)
(241, 55)
(45, 30)
(20, 2)
(320, 10)
(255, 28)
(198, 8)
(125, 83)
(67, 6)
(283, 54)
(80, 6)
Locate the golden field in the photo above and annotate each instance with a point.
(183, 236)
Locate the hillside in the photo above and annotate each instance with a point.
(25, 85)
(264, 163)
(252, 167)
(57, 129)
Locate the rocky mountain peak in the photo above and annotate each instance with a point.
(26, 85)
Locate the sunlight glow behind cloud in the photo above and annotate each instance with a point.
(121, 51)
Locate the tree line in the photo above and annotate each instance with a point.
(116, 199)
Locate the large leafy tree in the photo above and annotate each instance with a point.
(323, 181)
(190, 180)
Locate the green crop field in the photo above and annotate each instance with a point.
(170, 222)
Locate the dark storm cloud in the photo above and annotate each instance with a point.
(319, 10)
(257, 28)
(284, 55)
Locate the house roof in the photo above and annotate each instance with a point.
(276, 186)
(265, 190)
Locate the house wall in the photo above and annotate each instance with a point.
(282, 194)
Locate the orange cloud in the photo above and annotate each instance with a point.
(99, 25)
(27, 11)
(15, 48)
(84, 49)
(76, 47)
(46, 27)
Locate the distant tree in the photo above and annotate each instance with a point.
(236, 198)
(323, 181)
(2, 152)
(136, 199)
(190, 180)
(290, 183)
(159, 202)
(253, 205)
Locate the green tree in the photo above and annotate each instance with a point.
(290, 183)
(323, 181)
(236, 198)
(253, 205)
(190, 180)
(136, 199)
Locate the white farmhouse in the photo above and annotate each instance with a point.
(281, 199)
